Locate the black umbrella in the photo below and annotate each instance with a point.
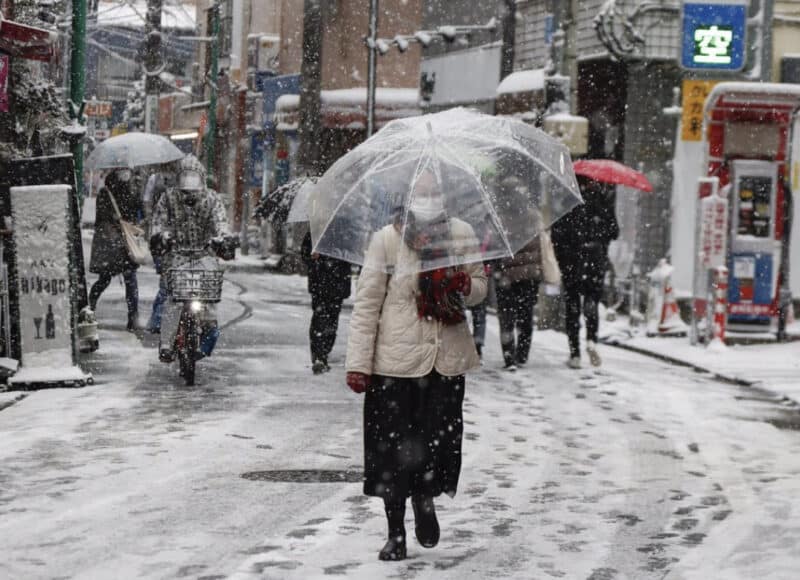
(277, 203)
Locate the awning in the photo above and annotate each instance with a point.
(522, 81)
(347, 108)
(732, 100)
(521, 94)
(23, 41)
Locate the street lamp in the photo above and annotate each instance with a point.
(375, 46)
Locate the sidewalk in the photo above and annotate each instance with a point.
(768, 365)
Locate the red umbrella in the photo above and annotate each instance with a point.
(609, 171)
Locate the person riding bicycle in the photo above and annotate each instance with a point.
(189, 217)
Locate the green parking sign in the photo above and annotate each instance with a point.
(713, 35)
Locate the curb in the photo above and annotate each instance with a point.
(736, 381)
(682, 363)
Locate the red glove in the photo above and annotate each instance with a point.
(460, 282)
(358, 382)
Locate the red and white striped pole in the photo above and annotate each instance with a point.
(720, 316)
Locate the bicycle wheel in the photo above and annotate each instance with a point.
(187, 358)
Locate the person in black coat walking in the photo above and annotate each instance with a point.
(580, 240)
(110, 255)
(329, 285)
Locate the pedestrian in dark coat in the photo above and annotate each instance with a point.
(110, 255)
(580, 240)
(517, 288)
(329, 285)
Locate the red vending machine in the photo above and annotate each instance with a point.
(748, 129)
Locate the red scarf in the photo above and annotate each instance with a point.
(436, 297)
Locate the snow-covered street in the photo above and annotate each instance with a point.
(637, 470)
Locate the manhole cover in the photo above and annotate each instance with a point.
(305, 476)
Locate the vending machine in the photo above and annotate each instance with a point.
(747, 133)
(755, 249)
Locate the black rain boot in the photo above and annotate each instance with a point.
(426, 524)
(395, 547)
(133, 322)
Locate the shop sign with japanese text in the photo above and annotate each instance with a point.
(98, 109)
(713, 231)
(693, 96)
(713, 35)
(40, 217)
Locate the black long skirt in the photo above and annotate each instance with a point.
(412, 436)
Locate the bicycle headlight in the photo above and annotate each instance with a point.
(196, 306)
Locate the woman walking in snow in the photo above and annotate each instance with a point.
(110, 255)
(409, 347)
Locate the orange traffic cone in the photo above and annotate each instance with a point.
(670, 323)
(663, 316)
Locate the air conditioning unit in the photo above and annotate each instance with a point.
(790, 68)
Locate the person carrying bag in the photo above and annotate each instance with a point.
(116, 204)
(132, 235)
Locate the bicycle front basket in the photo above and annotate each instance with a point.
(194, 284)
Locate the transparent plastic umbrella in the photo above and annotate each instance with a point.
(506, 179)
(133, 150)
(301, 201)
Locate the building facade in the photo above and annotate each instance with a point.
(623, 58)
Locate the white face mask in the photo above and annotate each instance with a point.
(124, 175)
(426, 206)
(190, 181)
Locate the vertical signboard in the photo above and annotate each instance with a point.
(98, 114)
(693, 99)
(5, 73)
(40, 216)
(713, 35)
(151, 114)
(711, 245)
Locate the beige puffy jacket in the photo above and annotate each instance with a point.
(387, 337)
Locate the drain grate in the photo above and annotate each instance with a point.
(305, 476)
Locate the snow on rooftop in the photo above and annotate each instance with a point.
(743, 94)
(522, 81)
(566, 117)
(132, 14)
(388, 98)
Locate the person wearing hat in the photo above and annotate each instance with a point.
(188, 216)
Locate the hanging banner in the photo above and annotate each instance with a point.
(5, 63)
(40, 217)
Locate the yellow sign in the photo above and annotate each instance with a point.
(119, 129)
(694, 95)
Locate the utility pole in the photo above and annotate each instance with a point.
(372, 66)
(77, 85)
(212, 104)
(509, 38)
(310, 152)
(152, 64)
